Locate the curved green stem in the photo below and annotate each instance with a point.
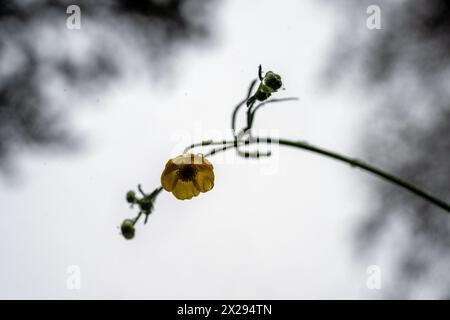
(353, 162)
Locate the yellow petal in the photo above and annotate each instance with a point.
(205, 180)
(198, 159)
(190, 158)
(168, 180)
(182, 159)
(195, 191)
(169, 176)
(184, 190)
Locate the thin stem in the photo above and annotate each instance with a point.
(353, 162)
(247, 130)
(141, 191)
(251, 111)
(204, 143)
(251, 116)
(135, 220)
(155, 192)
(240, 104)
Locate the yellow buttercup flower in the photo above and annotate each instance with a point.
(188, 175)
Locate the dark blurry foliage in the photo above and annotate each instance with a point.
(405, 71)
(31, 56)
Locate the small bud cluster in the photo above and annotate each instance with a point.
(145, 204)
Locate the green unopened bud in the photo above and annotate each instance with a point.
(128, 229)
(273, 81)
(131, 197)
(146, 204)
(263, 93)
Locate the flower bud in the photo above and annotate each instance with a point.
(273, 81)
(146, 204)
(263, 93)
(131, 197)
(127, 229)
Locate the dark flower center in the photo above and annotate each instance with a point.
(187, 172)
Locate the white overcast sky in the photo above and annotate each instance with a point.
(285, 234)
